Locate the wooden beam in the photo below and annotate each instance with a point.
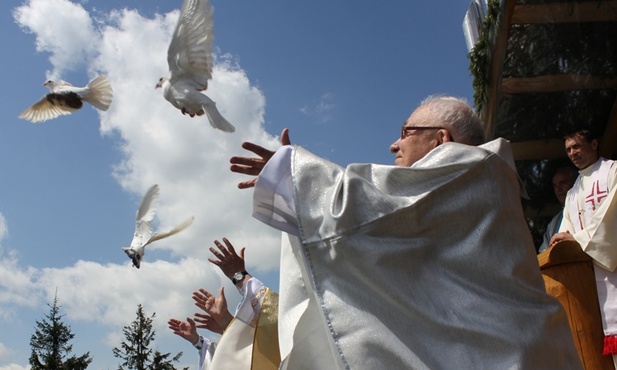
(570, 12)
(608, 143)
(538, 149)
(497, 55)
(553, 83)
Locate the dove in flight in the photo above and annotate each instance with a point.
(190, 64)
(143, 227)
(65, 98)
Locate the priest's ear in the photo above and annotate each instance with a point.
(444, 136)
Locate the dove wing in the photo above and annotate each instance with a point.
(190, 52)
(144, 217)
(45, 109)
(175, 230)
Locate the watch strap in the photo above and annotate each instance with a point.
(236, 281)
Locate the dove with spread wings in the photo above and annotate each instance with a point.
(65, 98)
(190, 64)
(143, 227)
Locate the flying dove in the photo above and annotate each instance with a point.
(190, 64)
(143, 227)
(65, 98)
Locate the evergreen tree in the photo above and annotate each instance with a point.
(50, 344)
(135, 351)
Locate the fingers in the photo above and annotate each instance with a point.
(230, 248)
(202, 317)
(285, 137)
(201, 296)
(224, 251)
(247, 184)
(246, 170)
(257, 149)
(216, 253)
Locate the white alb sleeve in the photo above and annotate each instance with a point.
(249, 306)
(273, 202)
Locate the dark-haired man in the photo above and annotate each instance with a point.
(590, 218)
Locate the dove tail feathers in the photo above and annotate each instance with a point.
(175, 230)
(99, 93)
(216, 119)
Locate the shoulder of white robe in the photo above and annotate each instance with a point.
(503, 149)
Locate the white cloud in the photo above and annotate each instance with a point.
(62, 28)
(17, 285)
(15, 367)
(4, 352)
(3, 228)
(185, 156)
(323, 109)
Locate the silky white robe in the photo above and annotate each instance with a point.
(235, 348)
(424, 267)
(590, 215)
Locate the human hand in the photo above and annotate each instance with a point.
(207, 322)
(216, 307)
(561, 236)
(187, 330)
(253, 166)
(228, 261)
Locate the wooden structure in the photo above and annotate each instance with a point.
(559, 51)
(543, 68)
(569, 277)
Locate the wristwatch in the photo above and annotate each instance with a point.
(238, 276)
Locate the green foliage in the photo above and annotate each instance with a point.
(50, 344)
(135, 351)
(479, 55)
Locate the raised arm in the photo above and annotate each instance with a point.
(185, 329)
(252, 166)
(216, 309)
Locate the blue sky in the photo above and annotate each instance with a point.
(343, 76)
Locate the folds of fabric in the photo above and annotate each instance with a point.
(243, 347)
(266, 355)
(427, 267)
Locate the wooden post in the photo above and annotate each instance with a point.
(569, 277)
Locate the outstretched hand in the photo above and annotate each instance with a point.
(215, 307)
(228, 260)
(186, 329)
(207, 322)
(253, 166)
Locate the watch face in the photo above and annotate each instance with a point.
(238, 276)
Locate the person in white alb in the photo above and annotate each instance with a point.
(428, 264)
(249, 339)
(590, 218)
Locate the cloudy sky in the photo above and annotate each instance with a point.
(341, 75)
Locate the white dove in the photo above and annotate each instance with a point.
(143, 227)
(65, 98)
(190, 64)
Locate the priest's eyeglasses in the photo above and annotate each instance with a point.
(405, 129)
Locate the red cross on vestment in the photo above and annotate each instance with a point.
(596, 195)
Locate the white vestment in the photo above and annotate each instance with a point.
(590, 215)
(246, 342)
(424, 267)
